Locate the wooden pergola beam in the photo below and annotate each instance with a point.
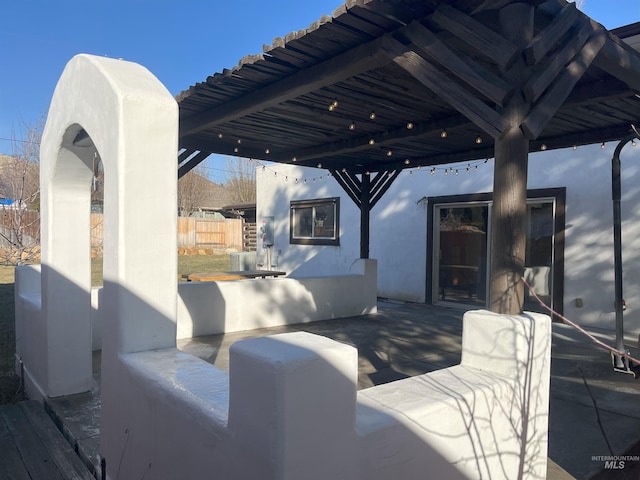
(620, 62)
(554, 97)
(540, 80)
(462, 100)
(357, 60)
(480, 38)
(192, 163)
(466, 69)
(548, 38)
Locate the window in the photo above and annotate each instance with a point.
(315, 222)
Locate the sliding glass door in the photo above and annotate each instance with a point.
(462, 233)
(460, 249)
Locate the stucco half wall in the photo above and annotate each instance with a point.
(207, 308)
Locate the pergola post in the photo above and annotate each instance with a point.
(508, 221)
(365, 215)
(365, 193)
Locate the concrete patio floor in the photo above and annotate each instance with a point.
(410, 339)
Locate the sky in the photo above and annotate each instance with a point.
(181, 42)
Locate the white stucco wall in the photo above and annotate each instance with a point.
(207, 308)
(399, 226)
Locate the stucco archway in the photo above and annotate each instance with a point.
(120, 110)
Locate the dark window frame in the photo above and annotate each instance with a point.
(312, 203)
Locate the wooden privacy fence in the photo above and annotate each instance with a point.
(229, 233)
(206, 232)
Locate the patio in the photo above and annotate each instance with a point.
(404, 340)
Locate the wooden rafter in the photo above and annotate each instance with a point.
(548, 38)
(541, 79)
(466, 69)
(555, 96)
(480, 38)
(360, 59)
(462, 100)
(192, 163)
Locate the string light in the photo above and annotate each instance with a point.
(220, 135)
(443, 133)
(450, 169)
(372, 116)
(478, 139)
(352, 127)
(239, 141)
(633, 143)
(575, 147)
(235, 149)
(410, 126)
(543, 147)
(389, 153)
(333, 105)
(602, 146)
(371, 141)
(267, 151)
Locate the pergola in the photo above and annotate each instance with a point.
(381, 86)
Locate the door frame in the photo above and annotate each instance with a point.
(557, 194)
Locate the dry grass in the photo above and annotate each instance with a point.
(8, 381)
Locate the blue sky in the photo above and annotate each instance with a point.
(180, 41)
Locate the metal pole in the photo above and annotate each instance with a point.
(616, 189)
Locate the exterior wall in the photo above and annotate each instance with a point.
(399, 226)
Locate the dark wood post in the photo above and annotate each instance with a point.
(508, 221)
(365, 214)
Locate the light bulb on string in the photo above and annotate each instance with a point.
(478, 139)
(443, 133)
(389, 153)
(372, 116)
(220, 135)
(267, 151)
(406, 161)
(352, 126)
(371, 141)
(409, 125)
(543, 147)
(602, 146)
